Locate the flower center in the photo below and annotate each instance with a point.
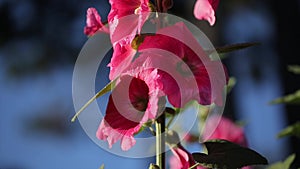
(140, 104)
(138, 94)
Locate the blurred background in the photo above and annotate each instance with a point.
(39, 44)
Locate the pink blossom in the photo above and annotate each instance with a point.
(121, 8)
(93, 22)
(205, 10)
(123, 12)
(181, 158)
(135, 100)
(190, 73)
(226, 129)
(121, 58)
(122, 33)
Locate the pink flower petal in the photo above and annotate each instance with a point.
(226, 129)
(187, 74)
(121, 58)
(122, 119)
(93, 22)
(132, 103)
(182, 159)
(205, 10)
(123, 12)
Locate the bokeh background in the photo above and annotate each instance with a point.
(39, 44)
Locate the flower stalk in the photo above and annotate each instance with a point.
(160, 141)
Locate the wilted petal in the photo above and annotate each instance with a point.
(167, 4)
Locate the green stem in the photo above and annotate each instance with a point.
(170, 121)
(194, 166)
(160, 141)
(152, 131)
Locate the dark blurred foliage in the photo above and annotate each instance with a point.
(52, 120)
(287, 44)
(37, 35)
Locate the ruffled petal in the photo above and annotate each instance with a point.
(123, 115)
(132, 103)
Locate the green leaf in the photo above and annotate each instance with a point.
(225, 154)
(288, 99)
(293, 130)
(102, 166)
(234, 47)
(231, 84)
(106, 89)
(283, 165)
(294, 69)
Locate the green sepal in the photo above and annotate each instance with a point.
(170, 112)
(146, 125)
(231, 84)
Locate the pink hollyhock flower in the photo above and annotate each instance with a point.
(135, 99)
(123, 12)
(121, 8)
(189, 74)
(121, 58)
(182, 159)
(93, 23)
(205, 10)
(226, 129)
